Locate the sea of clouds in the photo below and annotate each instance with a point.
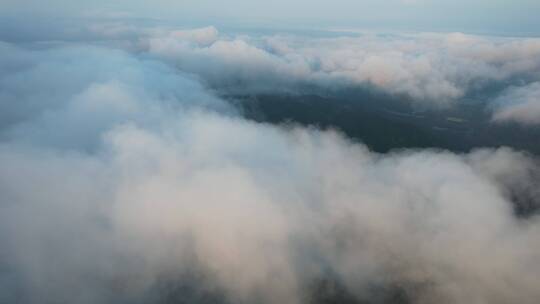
(429, 70)
(121, 168)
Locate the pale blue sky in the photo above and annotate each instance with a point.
(503, 16)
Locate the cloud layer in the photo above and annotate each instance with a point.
(119, 173)
(434, 70)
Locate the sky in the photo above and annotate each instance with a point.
(496, 16)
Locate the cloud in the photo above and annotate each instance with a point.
(203, 36)
(71, 95)
(519, 105)
(434, 70)
(429, 70)
(124, 180)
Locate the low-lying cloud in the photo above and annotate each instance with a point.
(519, 105)
(434, 70)
(118, 172)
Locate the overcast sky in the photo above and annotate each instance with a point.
(495, 16)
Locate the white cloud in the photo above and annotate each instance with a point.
(178, 185)
(519, 104)
(432, 69)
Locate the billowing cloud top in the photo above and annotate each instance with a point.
(434, 69)
(430, 70)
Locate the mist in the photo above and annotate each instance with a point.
(276, 153)
(127, 179)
